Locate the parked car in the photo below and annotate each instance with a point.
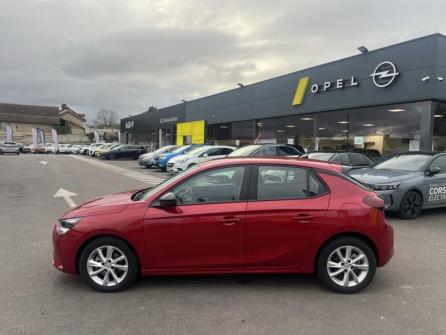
(348, 160)
(39, 149)
(93, 148)
(201, 154)
(86, 148)
(74, 149)
(231, 216)
(408, 182)
(50, 148)
(105, 148)
(161, 160)
(266, 150)
(147, 159)
(124, 151)
(9, 148)
(373, 154)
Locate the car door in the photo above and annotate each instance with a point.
(285, 209)
(205, 229)
(435, 185)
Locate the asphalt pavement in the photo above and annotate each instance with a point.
(408, 296)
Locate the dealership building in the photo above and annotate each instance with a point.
(390, 99)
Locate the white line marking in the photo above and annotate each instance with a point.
(63, 193)
(43, 162)
(142, 177)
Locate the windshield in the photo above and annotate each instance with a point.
(197, 151)
(322, 156)
(181, 149)
(144, 194)
(404, 162)
(244, 151)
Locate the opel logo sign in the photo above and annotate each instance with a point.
(384, 74)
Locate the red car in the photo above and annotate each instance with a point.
(234, 215)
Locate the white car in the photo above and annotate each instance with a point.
(74, 148)
(50, 148)
(198, 155)
(63, 149)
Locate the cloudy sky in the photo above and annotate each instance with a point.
(131, 54)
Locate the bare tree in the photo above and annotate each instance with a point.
(107, 118)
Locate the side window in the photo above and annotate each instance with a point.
(213, 152)
(226, 151)
(358, 159)
(341, 158)
(267, 151)
(220, 185)
(287, 151)
(441, 163)
(281, 182)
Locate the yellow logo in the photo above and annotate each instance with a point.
(300, 91)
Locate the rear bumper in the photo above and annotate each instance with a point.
(385, 246)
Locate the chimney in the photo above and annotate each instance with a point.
(64, 106)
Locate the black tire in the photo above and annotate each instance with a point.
(410, 206)
(133, 267)
(17, 153)
(108, 157)
(327, 250)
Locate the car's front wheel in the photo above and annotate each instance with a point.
(411, 205)
(346, 265)
(108, 265)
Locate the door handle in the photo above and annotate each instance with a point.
(229, 221)
(303, 218)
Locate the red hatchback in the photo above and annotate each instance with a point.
(235, 215)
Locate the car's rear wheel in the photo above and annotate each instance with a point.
(346, 265)
(411, 205)
(110, 156)
(108, 265)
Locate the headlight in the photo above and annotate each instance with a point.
(385, 187)
(66, 224)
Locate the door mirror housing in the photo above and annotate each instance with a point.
(205, 155)
(168, 200)
(433, 171)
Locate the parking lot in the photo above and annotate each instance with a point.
(408, 296)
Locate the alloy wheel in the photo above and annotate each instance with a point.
(411, 205)
(347, 266)
(107, 266)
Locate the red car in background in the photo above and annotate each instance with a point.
(234, 215)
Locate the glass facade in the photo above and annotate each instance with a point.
(387, 128)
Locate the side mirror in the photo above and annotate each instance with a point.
(433, 171)
(168, 200)
(205, 155)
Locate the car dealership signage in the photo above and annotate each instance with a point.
(382, 76)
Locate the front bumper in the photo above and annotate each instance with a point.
(392, 199)
(64, 250)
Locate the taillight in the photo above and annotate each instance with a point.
(374, 201)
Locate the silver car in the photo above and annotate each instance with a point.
(10, 148)
(409, 182)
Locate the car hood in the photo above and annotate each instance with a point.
(147, 155)
(107, 204)
(370, 175)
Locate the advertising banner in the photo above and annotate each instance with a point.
(9, 134)
(119, 136)
(41, 136)
(97, 137)
(34, 136)
(55, 138)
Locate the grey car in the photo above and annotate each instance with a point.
(409, 182)
(9, 148)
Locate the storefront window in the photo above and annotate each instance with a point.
(388, 129)
(439, 127)
(294, 130)
(234, 134)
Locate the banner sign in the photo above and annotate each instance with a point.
(34, 136)
(55, 138)
(119, 136)
(41, 136)
(97, 137)
(9, 134)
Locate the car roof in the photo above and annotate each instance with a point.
(291, 161)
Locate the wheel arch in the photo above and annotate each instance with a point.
(95, 237)
(360, 236)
